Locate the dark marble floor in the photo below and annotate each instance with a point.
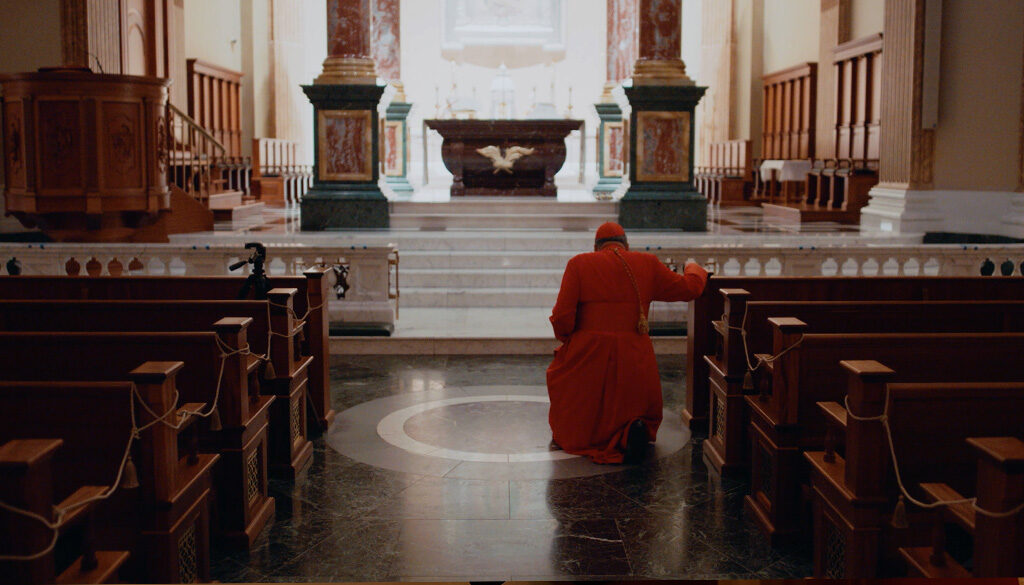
(344, 520)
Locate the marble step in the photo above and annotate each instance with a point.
(496, 345)
(526, 221)
(486, 259)
(469, 278)
(499, 297)
(501, 206)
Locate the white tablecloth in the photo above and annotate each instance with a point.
(788, 170)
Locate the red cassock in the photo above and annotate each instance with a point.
(604, 375)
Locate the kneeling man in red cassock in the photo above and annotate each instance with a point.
(604, 384)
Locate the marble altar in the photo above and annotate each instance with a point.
(503, 157)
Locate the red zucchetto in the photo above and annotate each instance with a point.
(609, 229)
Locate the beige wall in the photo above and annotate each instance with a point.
(29, 35)
(213, 31)
(866, 17)
(748, 32)
(790, 33)
(976, 141)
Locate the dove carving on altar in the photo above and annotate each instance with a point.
(504, 163)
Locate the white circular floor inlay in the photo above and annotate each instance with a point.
(391, 428)
(484, 432)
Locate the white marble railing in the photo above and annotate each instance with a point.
(372, 270)
(859, 260)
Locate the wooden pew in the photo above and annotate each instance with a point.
(787, 126)
(310, 302)
(727, 447)
(26, 481)
(163, 522)
(709, 307)
(726, 178)
(243, 506)
(271, 332)
(837, 187)
(278, 177)
(998, 540)
(855, 493)
(784, 418)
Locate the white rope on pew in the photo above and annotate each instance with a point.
(60, 513)
(884, 419)
(761, 360)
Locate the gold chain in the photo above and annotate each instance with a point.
(642, 326)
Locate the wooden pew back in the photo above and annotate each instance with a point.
(881, 316)
(124, 315)
(93, 419)
(931, 424)
(811, 373)
(44, 356)
(710, 306)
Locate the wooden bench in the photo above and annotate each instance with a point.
(837, 187)
(726, 179)
(727, 447)
(998, 540)
(243, 506)
(855, 493)
(784, 418)
(277, 175)
(26, 481)
(311, 302)
(163, 522)
(710, 306)
(271, 333)
(787, 126)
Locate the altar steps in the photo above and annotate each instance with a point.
(514, 213)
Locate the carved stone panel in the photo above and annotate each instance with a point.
(14, 145)
(614, 149)
(122, 147)
(394, 149)
(663, 146)
(60, 127)
(346, 145)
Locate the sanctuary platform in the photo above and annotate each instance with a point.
(479, 275)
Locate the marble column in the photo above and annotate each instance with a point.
(345, 193)
(903, 195)
(611, 134)
(387, 55)
(661, 195)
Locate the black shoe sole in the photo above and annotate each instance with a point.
(636, 443)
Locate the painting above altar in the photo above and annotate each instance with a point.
(503, 157)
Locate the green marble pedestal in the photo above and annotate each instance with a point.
(661, 195)
(610, 136)
(396, 147)
(345, 194)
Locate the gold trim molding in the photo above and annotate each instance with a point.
(660, 72)
(347, 71)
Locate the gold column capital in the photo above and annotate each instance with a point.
(348, 71)
(660, 72)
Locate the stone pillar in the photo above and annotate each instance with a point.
(611, 134)
(906, 147)
(345, 97)
(661, 128)
(387, 55)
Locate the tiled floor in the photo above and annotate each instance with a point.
(368, 510)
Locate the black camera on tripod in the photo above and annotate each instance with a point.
(257, 280)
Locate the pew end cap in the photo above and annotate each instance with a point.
(867, 368)
(155, 371)
(787, 324)
(282, 292)
(1004, 451)
(23, 453)
(233, 323)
